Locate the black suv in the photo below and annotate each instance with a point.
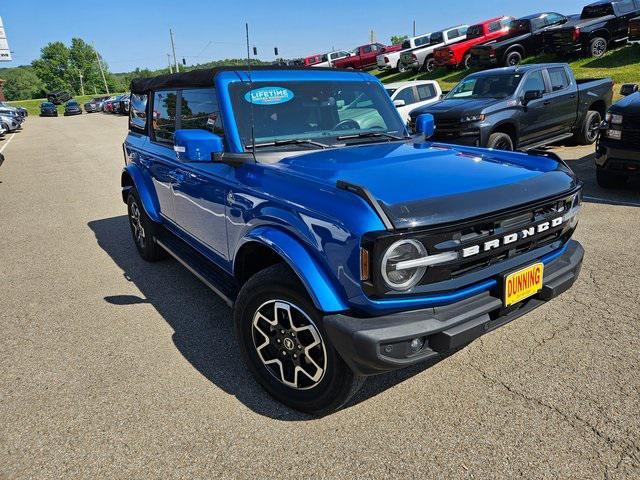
(526, 39)
(58, 98)
(599, 26)
(618, 150)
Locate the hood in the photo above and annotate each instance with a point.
(422, 184)
(630, 104)
(456, 108)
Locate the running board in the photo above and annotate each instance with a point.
(208, 273)
(544, 143)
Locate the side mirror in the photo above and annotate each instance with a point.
(425, 124)
(197, 145)
(628, 89)
(530, 96)
(399, 103)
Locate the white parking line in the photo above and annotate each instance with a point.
(4, 145)
(613, 202)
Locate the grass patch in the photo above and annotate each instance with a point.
(33, 106)
(622, 65)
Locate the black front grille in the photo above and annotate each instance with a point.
(455, 238)
(631, 130)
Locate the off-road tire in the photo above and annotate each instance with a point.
(598, 47)
(513, 59)
(500, 141)
(138, 218)
(587, 133)
(279, 283)
(608, 179)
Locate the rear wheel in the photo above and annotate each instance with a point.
(513, 59)
(284, 344)
(587, 134)
(400, 67)
(598, 47)
(500, 141)
(429, 64)
(143, 229)
(607, 179)
(466, 61)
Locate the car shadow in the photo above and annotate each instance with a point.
(625, 55)
(202, 323)
(628, 195)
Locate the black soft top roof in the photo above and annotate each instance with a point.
(200, 78)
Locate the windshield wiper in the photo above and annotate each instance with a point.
(370, 135)
(297, 141)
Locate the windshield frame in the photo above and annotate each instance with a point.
(382, 106)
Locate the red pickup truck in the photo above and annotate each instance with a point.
(458, 54)
(365, 56)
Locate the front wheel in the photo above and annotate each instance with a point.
(587, 134)
(466, 61)
(143, 229)
(429, 64)
(500, 141)
(284, 344)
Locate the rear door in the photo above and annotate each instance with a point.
(625, 10)
(159, 158)
(562, 101)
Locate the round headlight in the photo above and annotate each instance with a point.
(402, 251)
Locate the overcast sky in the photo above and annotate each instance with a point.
(136, 34)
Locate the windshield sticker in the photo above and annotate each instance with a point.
(269, 96)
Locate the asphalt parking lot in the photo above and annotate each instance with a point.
(116, 368)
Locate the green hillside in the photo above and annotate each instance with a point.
(623, 65)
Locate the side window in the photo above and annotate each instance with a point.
(559, 80)
(366, 49)
(200, 110)
(426, 92)
(553, 19)
(138, 112)
(494, 26)
(164, 115)
(534, 82)
(406, 94)
(505, 23)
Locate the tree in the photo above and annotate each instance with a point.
(82, 60)
(22, 83)
(398, 39)
(51, 68)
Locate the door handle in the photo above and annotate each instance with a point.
(176, 176)
(144, 162)
(548, 102)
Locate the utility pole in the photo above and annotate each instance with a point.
(104, 79)
(81, 84)
(173, 48)
(169, 62)
(414, 28)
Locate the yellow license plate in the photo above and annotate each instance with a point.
(523, 284)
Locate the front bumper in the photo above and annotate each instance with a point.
(376, 345)
(73, 112)
(613, 156)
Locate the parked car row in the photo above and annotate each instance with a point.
(11, 118)
(108, 104)
(501, 41)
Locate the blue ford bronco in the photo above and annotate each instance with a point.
(346, 247)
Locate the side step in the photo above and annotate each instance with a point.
(544, 143)
(207, 272)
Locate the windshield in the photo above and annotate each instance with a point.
(486, 86)
(595, 11)
(319, 110)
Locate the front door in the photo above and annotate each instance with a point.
(532, 124)
(199, 188)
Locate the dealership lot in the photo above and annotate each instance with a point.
(113, 367)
